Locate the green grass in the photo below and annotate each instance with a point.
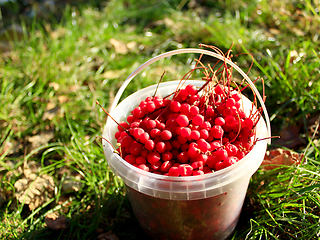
(51, 78)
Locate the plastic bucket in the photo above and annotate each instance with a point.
(194, 207)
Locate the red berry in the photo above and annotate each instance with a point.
(183, 157)
(206, 125)
(230, 120)
(248, 123)
(141, 160)
(144, 137)
(219, 121)
(185, 170)
(151, 106)
(165, 166)
(126, 141)
(203, 145)
(191, 89)
(173, 171)
(130, 159)
(216, 131)
(193, 152)
(212, 160)
(137, 132)
(131, 119)
(214, 145)
(209, 112)
(195, 134)
(182, 140)
(149, 144)
(122, 126)
(232, 150)
(155, 132)
(236, 96)
(230, 102)
(197, 172)
(166, 135)
(198, 119)
(197, 165)
(185, 132)
(221, 154)
(175, 106)
(161, 147)
(166, 156)
(156, 166)
(183, 120)
(151, 124)
(143, 167)
(185, 108)
(153, 157)
(135, 149)
(194, 110)
(204, 134)
(138, 113)
(193, 98)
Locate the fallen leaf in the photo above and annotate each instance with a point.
(274, 31)
(6, 148)
(14, 32)
(55, 85)
(55, 222)
(74, 88)
(34, 190)
(72, 184)
(132, 46)
(58, 33)
(119, 46)
(108, 236)
(290, 137)
(277, 157)
(112, 74)
(41, 139)
(63, 99)
(52, 111)
(2, 198)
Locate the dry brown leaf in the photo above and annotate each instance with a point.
(274, 31)
(55, 222)
(58, 33)
(132, 46)
(41, 139)
(34, 190)
(277, 157)
(55, 85)
(290, 137)
(2, 198)
(108, 236)
(13, 32)
(74, 88)
(72, 184)
(6, 148)
(119, 46)
(112, 74)
(63, 99)
(52, 111)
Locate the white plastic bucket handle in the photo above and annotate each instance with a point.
(193, 50)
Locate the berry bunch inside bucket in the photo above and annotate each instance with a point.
(193, 130)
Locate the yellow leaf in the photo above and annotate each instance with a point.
(119, 46)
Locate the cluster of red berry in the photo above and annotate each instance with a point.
(191, 132)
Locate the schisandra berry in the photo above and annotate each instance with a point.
(190, 134)
(183, 120)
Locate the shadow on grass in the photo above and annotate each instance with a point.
(114, 216)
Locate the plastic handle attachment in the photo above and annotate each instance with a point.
(193, 50)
